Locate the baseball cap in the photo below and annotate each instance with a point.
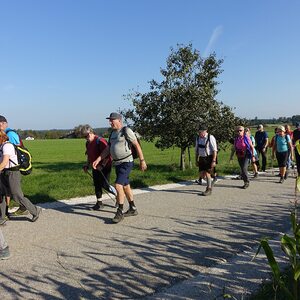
(202, 127)
(3, 119)
(114, 116)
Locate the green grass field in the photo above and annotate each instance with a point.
(57, 169)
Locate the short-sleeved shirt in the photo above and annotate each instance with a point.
(253, 143)
(260, 139)
(13, 137)
(211, 145)
(282, 143)
(9, 149)
(119, 148)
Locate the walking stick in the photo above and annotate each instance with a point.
(106, 192)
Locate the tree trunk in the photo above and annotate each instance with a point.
(182, 159)
(190, 161)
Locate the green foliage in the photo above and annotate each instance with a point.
(291, 248)
(171, 111)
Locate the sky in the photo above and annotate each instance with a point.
(70, 62)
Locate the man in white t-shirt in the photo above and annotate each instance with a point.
(206, 156)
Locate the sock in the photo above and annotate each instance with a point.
(132, 205)
(121, 207)
(208, 182)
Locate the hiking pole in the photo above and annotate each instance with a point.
(106, 192)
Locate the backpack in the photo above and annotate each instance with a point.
(240, 152)
(24, 160)
(21, 142)
(205, 145)
(131, 147)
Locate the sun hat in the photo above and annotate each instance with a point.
(114, 116)
(281, 128)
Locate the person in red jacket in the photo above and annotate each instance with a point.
(94, 147)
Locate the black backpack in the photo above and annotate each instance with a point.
(24, 156)
(24, 160)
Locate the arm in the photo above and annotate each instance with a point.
(232, 152)
(266, 142)
(4, 161)
(143, 165)
(103, 155)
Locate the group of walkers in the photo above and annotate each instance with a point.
(10, 181)
(285, 146)
(118, 151)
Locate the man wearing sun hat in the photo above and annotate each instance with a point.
(121, 153)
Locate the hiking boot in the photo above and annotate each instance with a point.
(2, 222)
(198, 181)
(207, 192)
(246, 185)
(214, 181)
(21, 211)
(98, 206)
(4, 253)
(255, 175)
(131, 212)
(281, 180)
(118, 217)
(35, 217)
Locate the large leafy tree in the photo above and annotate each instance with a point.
(171, 111)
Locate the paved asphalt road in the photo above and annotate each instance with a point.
(73, 252)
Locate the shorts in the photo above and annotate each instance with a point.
(205, 163)
(282, 158)
(122, 171)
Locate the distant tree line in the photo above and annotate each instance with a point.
(59, 133)
(281, 120)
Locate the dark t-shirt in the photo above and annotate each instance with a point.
(260, 139)
(296, 136)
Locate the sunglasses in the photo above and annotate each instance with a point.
(239, 130)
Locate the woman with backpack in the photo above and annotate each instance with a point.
(245, 152)
(282, 147)
(11, 176)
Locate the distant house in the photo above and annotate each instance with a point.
(29, 138)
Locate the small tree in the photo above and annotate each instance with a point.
(171, 111)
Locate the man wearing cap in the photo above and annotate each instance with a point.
(13, 138)
(122, 157)
(261, 142)
(206, 156)
(296, 144)
(12, 135)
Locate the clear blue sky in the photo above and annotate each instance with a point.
(69, 62)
